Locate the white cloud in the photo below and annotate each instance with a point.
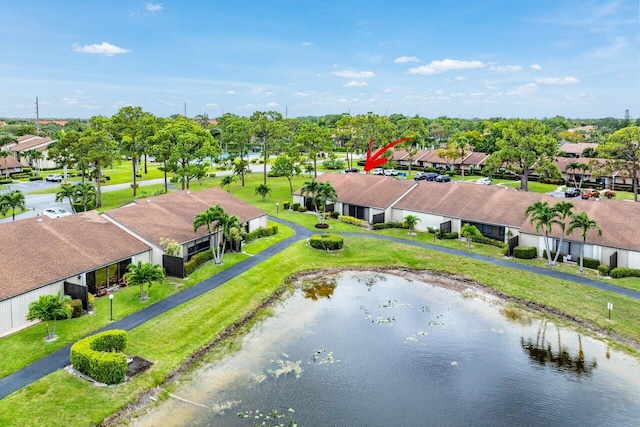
(230, 92)
(387, 90)
(153, 7)
(535, 67)
(104, 48)
(405, 59)
(257, 90)
(306, 44)
(558, 80)
(273, 104)
(355, 83)
(459, 78)
(354, 74)
(522, 90)
(300, 94)
(436, 67)
(211, 105)
(505, 68)
(476, 94)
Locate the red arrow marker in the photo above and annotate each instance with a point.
(374, 160)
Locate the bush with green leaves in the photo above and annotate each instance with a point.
(329, 242)
(101, 356)
(295, 206)
(286, 205)
(553, 254)
(391, 224)
(334, 164)
(603, 269)
(525, 252)
(335, 215)
(353, 221)
(197, 260)
(619, 272)
(589, 262)
(302, 209)
(449, 236)
(76, 308)
(260, 232)
(488, 241)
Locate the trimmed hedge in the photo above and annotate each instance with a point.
(589, 262)
(335, 215)
(385, 225)
(302, 209)
(619, 272)
(553, 254)
(353, 221)
(35, 178)
(449, 236)
(76, 307)
(197, 260)
(286, 205)
(488, 241)
(603, 270)
(525, 252)
(6, 181)
(101, 356)
(295, 206)
(260, 232)
(329, 242)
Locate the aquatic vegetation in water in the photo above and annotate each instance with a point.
(271, 418)
(369, 279)
(516, 315)
(328, 357)
(437, 321)
(219, 408)
(286, 367)
(412, 339)
(394, 303)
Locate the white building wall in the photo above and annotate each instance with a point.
(13, 311)
(633, 259)
(426, 220)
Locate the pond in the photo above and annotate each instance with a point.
(374, 349)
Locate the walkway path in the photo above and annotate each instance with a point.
(60, 358)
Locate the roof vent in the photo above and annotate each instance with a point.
(148, 201)
(188, 191)
(39, 219)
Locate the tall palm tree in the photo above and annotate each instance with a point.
(563, 211)
(586, 224)
(309, 189)
(326, 193)
(144, 274)
(66, 192)
(263, 190)
(227, 181)
(219, 225)
(469, 231)
(13, 201)
(410, 221)
(572, 166)
(542, 216)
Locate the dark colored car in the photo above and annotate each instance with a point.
(352, 170)
(572, 192)
(430, 176)
(443, 178)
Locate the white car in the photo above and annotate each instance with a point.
(485, 181)
(54, 177)
(56, 212)
(378, 171)
(391, 172)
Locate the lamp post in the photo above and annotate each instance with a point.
(111, 302)
(277, 208)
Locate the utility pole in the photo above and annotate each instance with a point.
(286, 112)
(37, 117)
(185, 109)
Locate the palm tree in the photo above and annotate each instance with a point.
(469, 231)
(13, 201)
(227, 181)
(542, 216)
(85, 193)
(240, 167)
(563, 211)
(66, 192)
(263, 190)
(140, 274)
(325, 194)
(583, 222)
(572, 166)
(49, 308)
(309, 189)
(215, 219)
(410, 222)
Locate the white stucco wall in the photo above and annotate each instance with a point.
(13, 311)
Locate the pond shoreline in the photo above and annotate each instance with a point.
(460, 284)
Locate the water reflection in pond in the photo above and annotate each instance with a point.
(379, 350)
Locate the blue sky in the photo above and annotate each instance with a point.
(476, 58)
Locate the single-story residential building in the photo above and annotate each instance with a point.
(9, 165)
(575, 149)
(33, 142)
(171, 215)
(363, 196)
(44, 256)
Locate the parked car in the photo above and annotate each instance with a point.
(430, 176)
(378, 171)
(390, 172)
(54, 177)
(419, 176)
(572, 192)
(485, 181)
(589, 192)
(56, 212)
(352, 170)
(443, 178)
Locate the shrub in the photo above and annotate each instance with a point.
(6, 180)
(302, 209)
(433, 230)
(212, 175)
(488, 241)
(353, 221)
(525, 252)
(101, 356)
(335, 215)
(76, 307)
(35, 178)
(107, 177)
(197, 260)
(333, 164)
(603, 270)
(329, 242)
(449, 236)
(295, 206)
(624, 272)
(609, 194)
(260, 232)
(286, 205)
(385, 225)
(589, 262)
(505, 250)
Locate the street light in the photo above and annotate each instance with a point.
(111, 302)
(277, 208)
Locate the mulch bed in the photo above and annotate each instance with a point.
(137, 365)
